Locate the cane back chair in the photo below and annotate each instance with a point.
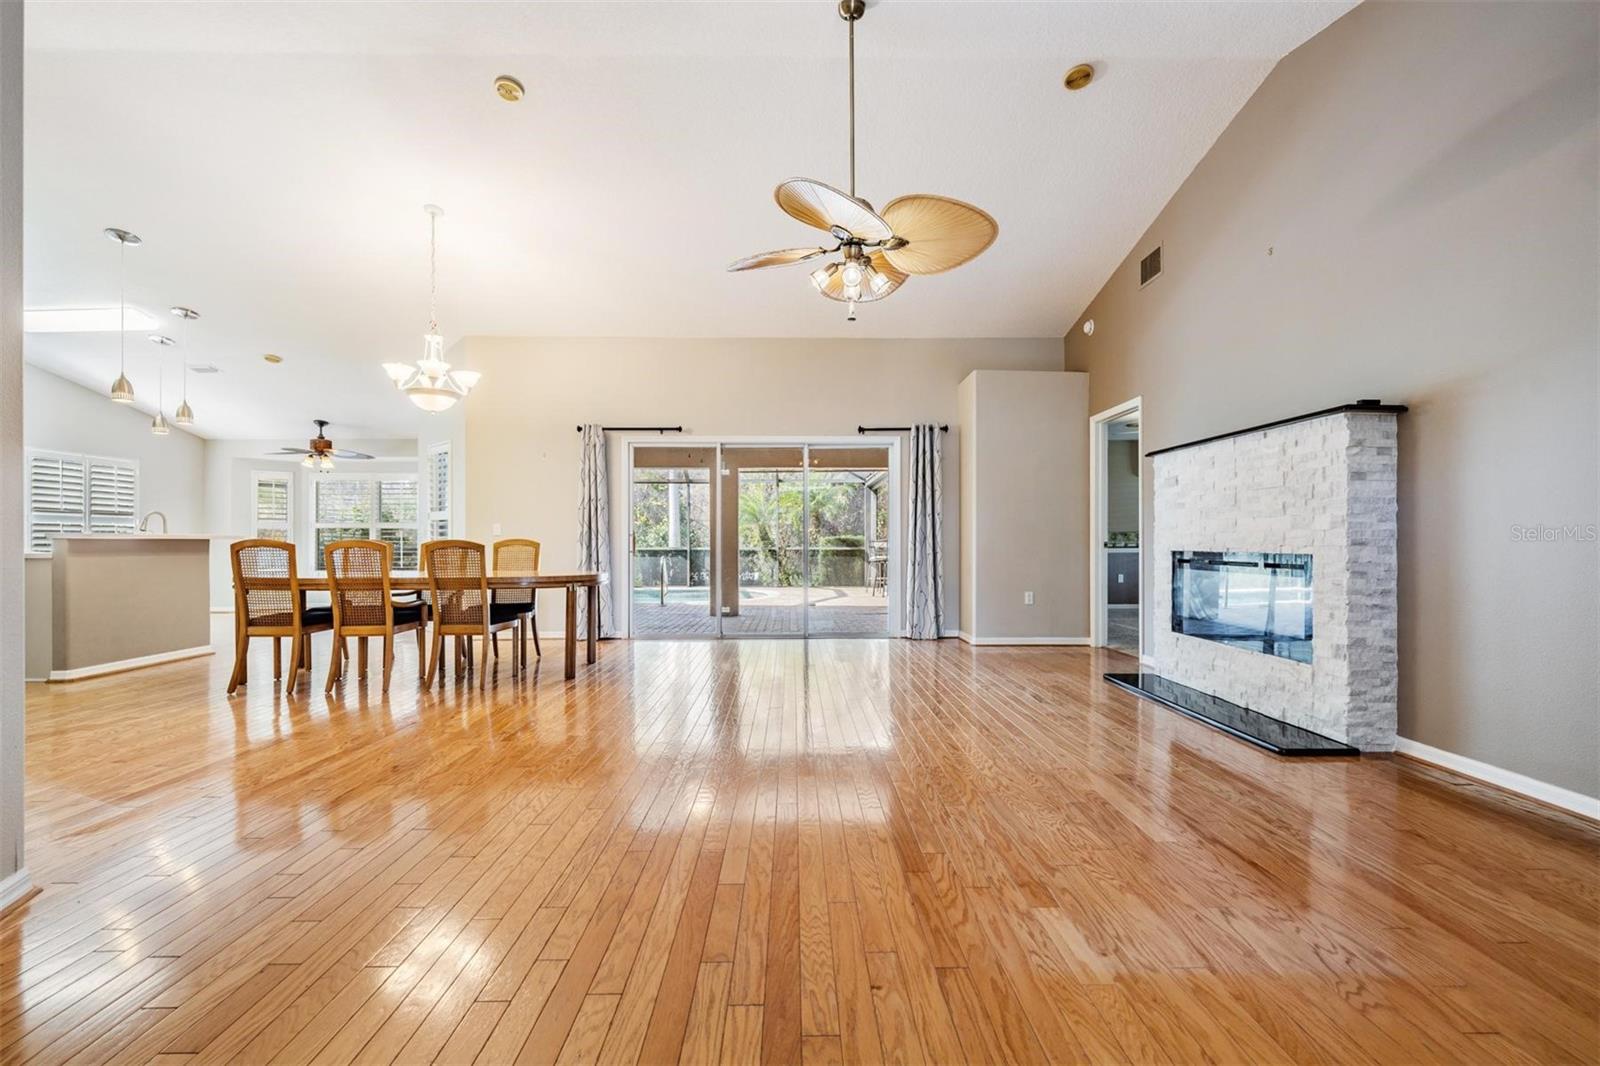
(364, 604)
(458, 586)
(521, 557)
(267, 602)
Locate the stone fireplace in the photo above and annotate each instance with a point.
(1282, 540)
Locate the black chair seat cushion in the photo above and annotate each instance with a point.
(316, 616)
(407, 613)
(500, 613)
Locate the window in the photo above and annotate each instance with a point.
(272, 507)
(439, 491)
(381, 507)
(79, 494)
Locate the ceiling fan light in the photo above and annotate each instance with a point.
(853, 275)
(878, 280)
(184, 415)
(122, 390)
(820, 276)
(325, 462)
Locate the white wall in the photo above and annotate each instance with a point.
(60, 415)
(12, 543)
(1406, 210)
(521, 423)
(1025, 526)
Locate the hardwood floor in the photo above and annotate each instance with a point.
(852, 851)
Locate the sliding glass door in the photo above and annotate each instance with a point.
(760, 540)
(671, 542)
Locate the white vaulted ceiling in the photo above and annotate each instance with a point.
(275, 158)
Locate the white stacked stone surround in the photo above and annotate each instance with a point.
(1324, 487)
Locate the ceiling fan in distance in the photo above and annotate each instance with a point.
(917, 234)
(321, 453)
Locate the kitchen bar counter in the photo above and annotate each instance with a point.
(119, 601)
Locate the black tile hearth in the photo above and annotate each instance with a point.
(1280, 738)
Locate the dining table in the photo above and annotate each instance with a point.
(571, 580)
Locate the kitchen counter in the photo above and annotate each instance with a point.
(118, 601)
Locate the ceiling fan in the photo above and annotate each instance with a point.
(917, 234)
(321, 452)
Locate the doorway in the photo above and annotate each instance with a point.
(762, 539)
(1116, 463)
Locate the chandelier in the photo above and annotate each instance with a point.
(430, 382)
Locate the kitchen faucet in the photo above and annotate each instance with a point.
(144, 523)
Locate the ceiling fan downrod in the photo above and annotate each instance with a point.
(851, 11)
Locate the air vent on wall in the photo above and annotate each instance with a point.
(204, 368)
(1150, 267)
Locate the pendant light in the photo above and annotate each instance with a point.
(429, 382)
(184, 416)
(122, 388)
(158, 424)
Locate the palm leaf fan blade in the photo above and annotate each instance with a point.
(940, 233)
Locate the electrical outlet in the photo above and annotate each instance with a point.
(1027, 599)
(495, 529)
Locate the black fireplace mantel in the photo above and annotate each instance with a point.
(1360, 406)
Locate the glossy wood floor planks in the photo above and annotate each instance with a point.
(777, 851)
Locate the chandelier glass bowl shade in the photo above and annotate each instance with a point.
(122, 388)
(921, 234)
(431, 383)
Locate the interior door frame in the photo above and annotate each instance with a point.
(1099, 423)
(622, 516)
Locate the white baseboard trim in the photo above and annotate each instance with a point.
(1018, 642)
(222, 610)
(81, 672)
(15, 889)
(1554, 795)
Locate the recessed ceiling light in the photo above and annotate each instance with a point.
(84, 320)
(1088, 327)
(273, 358)
(508, 88)
(1078, 77)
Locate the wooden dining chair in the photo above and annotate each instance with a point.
(364, 604)
(458, 586)
(267, 602)
(520, 557)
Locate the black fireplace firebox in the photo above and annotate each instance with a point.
(1255, 600)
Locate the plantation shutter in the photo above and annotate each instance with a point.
(113, 497)
(55, 498)
(272, 508)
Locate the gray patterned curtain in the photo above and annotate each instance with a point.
(925, 542)
(594, 524)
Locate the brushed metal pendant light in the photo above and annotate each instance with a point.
(122, 388)
(184, 415)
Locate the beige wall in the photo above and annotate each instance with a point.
(1122, 486)
(1383, 219)
(1025, 528)
(521, 422)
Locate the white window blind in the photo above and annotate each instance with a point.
(439, 491)
(351, 507)
(272, 506)
(113, 497)
(79, 494)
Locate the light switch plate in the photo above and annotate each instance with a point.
(1027, 599)
(495, 529)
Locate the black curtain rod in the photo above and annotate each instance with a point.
(893, 429)
(638, 429)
